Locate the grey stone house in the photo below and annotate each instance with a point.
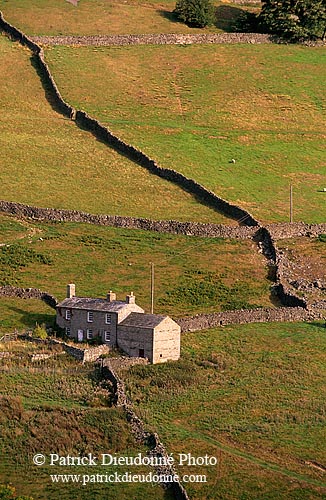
(120, 324)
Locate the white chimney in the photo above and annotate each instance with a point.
(71, 290)
(111, 296)
(130, 299)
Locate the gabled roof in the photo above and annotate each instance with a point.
(94, 304)
(142, 320)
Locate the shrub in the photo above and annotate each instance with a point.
(247, 22)
(196, 13)
(299, 20)
(8, 492)
(40, 332)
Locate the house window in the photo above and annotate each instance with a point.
(89, 334)
(141, 353)
(68, 314)
(108, 319)
(68, 332)
(90, 316)
(107, 336)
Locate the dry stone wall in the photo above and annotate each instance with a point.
(28, 293)
(169, 226)
(157, 449)
(105, 135)
(264, 315)
(157, 39)
(288, 230)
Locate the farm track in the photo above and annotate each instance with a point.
(233, 450)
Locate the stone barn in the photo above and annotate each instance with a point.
(152, 336)
(119, 323)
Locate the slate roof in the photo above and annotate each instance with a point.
(93, 304)
(142, 320)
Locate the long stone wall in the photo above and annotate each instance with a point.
(167, 226)
(28, 293)
(85, 121)
(264, 315)
(157, 39)
(286, 230)
(265, 237)
(157, 449)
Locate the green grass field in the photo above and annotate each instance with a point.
(192, 275)
(61, 406)
(48, 161)
(92, 17)
(194, 108)
(252, 396)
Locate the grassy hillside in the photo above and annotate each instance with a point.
(47, 161)
(252, 396)
(61, 406)
(194, 108)
(56, 17)
(192, 275)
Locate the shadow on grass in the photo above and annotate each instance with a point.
(169, 16)
(318, 324)
(197, 197)
(226, 17)
(29, 319)
(48, 92)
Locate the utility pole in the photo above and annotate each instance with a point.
(291, 203)
(152, 288)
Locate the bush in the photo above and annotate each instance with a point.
(40, 332)
(299, 20)
(247, 22)
(196, 13)
(8, 492)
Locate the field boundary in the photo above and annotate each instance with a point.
(155, 39)
(164, 39)
(202, 321)
(84, 121)
(263, 236)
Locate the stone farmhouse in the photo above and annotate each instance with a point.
(121, 324)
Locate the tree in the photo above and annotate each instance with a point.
(196, 13)
(295, 19)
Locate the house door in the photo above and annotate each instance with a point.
(80, 335)
(141, 353)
